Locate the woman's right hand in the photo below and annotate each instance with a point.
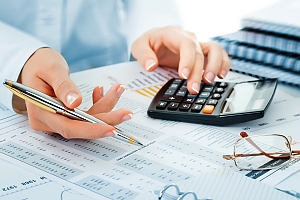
(47, 71)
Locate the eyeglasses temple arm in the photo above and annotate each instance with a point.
(296, 151)
(244, 135)
(232, 157)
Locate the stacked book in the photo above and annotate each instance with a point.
(268, 43)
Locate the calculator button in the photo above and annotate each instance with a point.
(170, 92)
(223, 85)
(172, 98)
(183, 87)
(216, 96)
(191, 95)
(211, 84)
(188, 100)
(212, 102)
(204, 94)
(196, 108)
(177, 80)
(181, 93)
(200, 101)
(173, 86)
(208, 88)
(173, 106)
(208, 109)
(184, 107)
(161, 105)
(219, 90)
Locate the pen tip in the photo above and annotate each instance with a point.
(139, 143)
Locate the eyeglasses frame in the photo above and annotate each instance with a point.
(290, 155)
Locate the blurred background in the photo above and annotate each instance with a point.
(207, 18)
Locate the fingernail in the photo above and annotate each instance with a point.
(185, 72)
(126, 117)
(196, 87)
(71, 97)
(210, 77)
(109, 134)
(100, 91)
(120, 90)
(223, 73)
(149, 64)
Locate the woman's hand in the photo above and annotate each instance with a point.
(47, 71)
(176, 48)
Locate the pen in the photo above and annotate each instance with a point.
(50, 104)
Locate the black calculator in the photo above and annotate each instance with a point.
(219, 103)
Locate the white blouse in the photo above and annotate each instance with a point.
(88, 33)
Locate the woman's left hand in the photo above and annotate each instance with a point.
(176, 48)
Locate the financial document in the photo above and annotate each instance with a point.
(225, 184)
(17, 183)
(174, 151)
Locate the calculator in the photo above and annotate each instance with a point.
(219, 103)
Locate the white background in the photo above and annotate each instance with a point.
(207, 18)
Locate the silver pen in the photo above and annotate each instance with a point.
(50, 104)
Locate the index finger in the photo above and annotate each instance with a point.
(191, 64)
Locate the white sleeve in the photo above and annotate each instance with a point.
(15, 48)
(143, 15)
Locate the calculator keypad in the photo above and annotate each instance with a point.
(177, 97)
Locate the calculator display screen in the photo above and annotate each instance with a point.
(245, 97)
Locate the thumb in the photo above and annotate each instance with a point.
(52, 76)
(66, 90)
(144, 54)
(69, 94)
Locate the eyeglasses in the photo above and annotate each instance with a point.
(171, 191)
(262, 152)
